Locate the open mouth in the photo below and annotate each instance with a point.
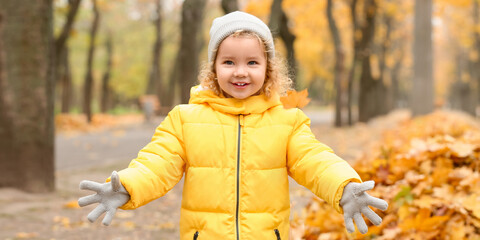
(240, 84)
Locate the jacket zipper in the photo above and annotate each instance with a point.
(238, 175)
(195, 236)
(277, 233)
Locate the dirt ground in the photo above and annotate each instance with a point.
(56, 215)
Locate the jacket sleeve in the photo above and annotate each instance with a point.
(315, 166)
(158, 166)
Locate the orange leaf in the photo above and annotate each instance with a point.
(24, 235)
(471, 204)
(460, 149)
(423, 221)
(295, 99)
(71, 204)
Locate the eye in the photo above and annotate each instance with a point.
(252, 63)
(228, 62)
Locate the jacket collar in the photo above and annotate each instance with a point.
(253, 104)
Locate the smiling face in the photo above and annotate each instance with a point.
(240, 66)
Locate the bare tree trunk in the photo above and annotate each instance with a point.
(396, 92)
(66, 79)
(26, 95)
(370, 88)
(61, 63)
(229, 6)
(385, 95)
(339, 65)
(476, 35)
(462, 93)
(352, 79)
(155, 82)
(279, 27)
(88, 87)
(167, 99)
(423, 87)
(62, 38)
(105, 105)
(192, 18)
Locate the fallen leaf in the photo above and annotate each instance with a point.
(461, 149)
(129, 225)
(72, 204)
(472, 204)
(427, 169)
(24, 235)
(125, 214)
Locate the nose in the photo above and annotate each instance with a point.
(240, 71)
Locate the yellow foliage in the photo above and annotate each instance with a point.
(259, 8)
(456, 3)
(427, 169)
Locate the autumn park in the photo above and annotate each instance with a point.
(392, 86)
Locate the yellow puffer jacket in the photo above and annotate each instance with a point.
(236, 156)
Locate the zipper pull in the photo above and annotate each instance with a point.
(240, 119)
(195, 236)
(277, 233)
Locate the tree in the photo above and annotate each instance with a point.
(371, 95)
(88, 87)
(65, 76)
(26, 95)
(229, 6)
(104, 104)
(422, 88)
(398, 96)
(355, 61)
(62, 68)
(476, 36)
(279, 26)
(385, 49)
(339, 64)
(155, 79)
(187, 60)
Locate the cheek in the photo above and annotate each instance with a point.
(221, 75)
(262, 74)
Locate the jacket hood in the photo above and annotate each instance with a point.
(253, 104)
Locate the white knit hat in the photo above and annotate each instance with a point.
(223, 26)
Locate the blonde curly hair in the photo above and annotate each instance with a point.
(276, 75)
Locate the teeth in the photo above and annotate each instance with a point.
(240, 84)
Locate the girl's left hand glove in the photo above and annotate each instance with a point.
(355, 201)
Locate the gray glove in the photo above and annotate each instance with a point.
(110, 196)
(355, 201)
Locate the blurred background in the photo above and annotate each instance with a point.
(82, 66)
(364, 55)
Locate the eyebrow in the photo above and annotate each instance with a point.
(234, 57)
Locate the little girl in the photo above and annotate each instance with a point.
(236, 145)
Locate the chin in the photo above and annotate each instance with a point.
(241, 97)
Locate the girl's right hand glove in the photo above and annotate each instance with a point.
(355, 201)
(110, 196)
